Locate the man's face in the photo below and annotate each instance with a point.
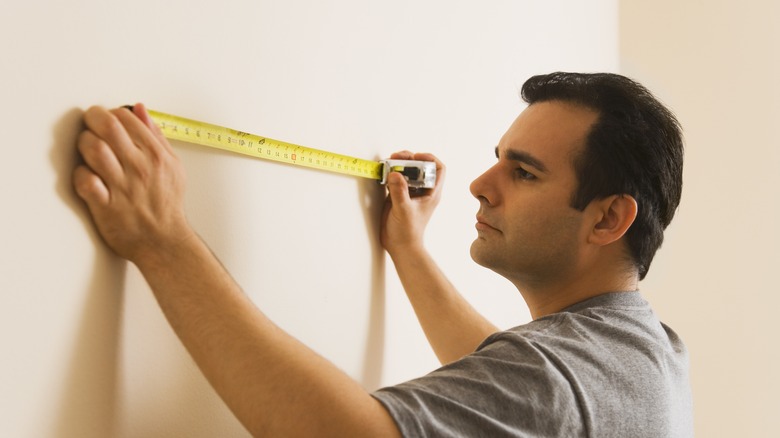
(526, 229)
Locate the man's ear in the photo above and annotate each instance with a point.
(613, 216)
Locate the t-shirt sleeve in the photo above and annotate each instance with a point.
(506, 388)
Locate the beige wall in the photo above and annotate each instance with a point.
(85, 350)
(717, 64)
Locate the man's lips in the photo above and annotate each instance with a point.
(483, 224)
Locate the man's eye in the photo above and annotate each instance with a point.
(524, 174)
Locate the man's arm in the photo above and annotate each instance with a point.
(133, 186)
(453, 327)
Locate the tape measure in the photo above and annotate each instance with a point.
(419, 174)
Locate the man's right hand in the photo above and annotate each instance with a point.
(407, 214)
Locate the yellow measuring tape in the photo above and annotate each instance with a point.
(419, 174)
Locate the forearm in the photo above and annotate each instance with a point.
(453, 327)
(133, 185)
(273, 384)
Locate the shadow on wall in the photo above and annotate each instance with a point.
(172, 397)
(88, 403)
(371, 198)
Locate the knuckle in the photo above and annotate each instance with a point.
(156, 156)
(84, 182)
(102, 122)
(83, 141)
(87, 140)
(93, 112)
(94, 149)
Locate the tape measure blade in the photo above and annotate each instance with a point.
(220, 137)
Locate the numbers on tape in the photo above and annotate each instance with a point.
(419, 174)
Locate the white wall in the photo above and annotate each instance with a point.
(86, 352)
(717, 65)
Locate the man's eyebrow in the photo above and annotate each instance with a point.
(523, 157)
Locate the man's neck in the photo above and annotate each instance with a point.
(545, 299)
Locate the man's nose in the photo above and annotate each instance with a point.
(482, 188)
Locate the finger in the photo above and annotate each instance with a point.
(402, 155)
(424, 156)
(100, 158)
(139, 130)
(90, 187)
(110, 129)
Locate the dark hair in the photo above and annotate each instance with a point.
(635, 148)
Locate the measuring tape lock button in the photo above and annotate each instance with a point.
(418, 174)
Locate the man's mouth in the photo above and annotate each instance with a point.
(483, 224)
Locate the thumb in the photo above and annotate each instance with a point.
(398, 188)
(140, 111)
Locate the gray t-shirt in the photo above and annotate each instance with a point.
(605, 367)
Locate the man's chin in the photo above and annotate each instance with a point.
(480, 254)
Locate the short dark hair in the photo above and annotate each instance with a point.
(635, 148)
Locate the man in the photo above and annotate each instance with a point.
(587, 178)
